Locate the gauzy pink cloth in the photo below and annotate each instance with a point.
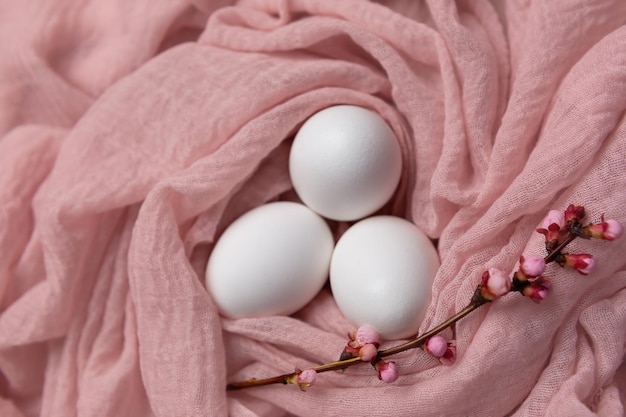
(134, 132)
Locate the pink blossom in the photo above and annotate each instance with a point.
(306, 378)
(574, 214)
(552, 233)
(532, 266)
(359, 338)
(551, 226)
(538, 290)
(368, 352)
(387, 371)
(582, 262)
(367, 334)
(495, 284)
(553, 217)
(449, 357)
(608, 230)
(613, 230)
(436, 346)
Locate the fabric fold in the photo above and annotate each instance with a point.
(132, 136)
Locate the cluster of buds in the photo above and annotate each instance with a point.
(559, 229)
(570, 224)
(363, 343)
(529, 281)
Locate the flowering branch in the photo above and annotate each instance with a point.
(559, 229)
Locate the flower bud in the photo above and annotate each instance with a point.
(551, 227)
(582, 262)
(532, 266)
(364, 335)
(449, 357)
(574, 214)
(608, 230)
(368, 352)
(306, 378)
(367, 334)
(552, 234)
(553, 217)
(495, 284)
(436, 346)
(538, 290)
(387, 371)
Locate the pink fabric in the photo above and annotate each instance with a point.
(133, 133)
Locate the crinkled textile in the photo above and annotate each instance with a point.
(134, 132)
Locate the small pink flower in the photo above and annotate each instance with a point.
(582, 262)
(532, 266)
(552, 233)
(368, 352)
(387, 371)
(436, 346)
(574, 214)
(613, 229)
(552, 225)
(306, 378)
(608, 230)
(367, 334)
(449, 357)
(362, 336)
(553, 217)
(495, 284)
(538, 290)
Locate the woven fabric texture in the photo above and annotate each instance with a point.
(133, 133)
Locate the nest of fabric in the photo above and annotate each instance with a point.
(132, 134)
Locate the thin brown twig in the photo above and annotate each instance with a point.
(343, 364)
(552, 255)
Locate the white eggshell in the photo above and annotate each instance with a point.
(381, 274)
(345, 162)
(271, 261)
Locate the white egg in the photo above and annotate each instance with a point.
(345, 162)
(271, 261)
(381, 274)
